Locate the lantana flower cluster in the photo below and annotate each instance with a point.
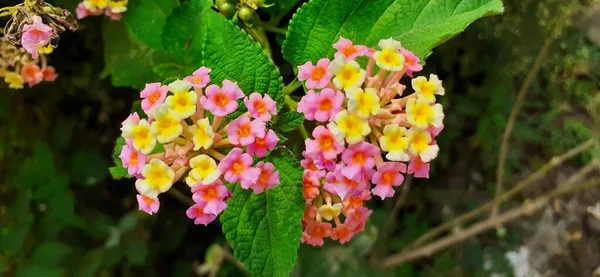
(17, 67)
(200, 144)
(114, 9)
(367, 131)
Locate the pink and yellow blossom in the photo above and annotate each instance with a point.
(316, 76)
(243, 132)
(149, 205)
(222, 101)
(260, 107)
(152, 95)
(200, 78)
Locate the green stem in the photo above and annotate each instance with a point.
(291, 87)
(261, 38)
(7, 11)
(274, 29)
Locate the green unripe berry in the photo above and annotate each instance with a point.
(220, 3)
(227, 9)
(246, 14)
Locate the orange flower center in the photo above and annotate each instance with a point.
(149, 201)
(260, 142)
(387, 178)
(244, 130)
(221, 99)
(317, 73)
(260, 106)
(359, 158)
(210, 194)
(325, 104)
(238, 167)
(196, 79)
(326, 143)
(349, 51)
(133, 158)
(154, 97)
(263, 178)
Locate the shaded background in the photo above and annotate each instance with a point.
(61, 213)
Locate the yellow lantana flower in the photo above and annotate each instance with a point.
(328, 212)
(389, 58)
(363, 103)
(14, 80)
(394, 142)
(420, 113)
(204, 170)
(418, 144)
(166, 126)
(94, 5)
(347, 74)
(158, 178)
(118, 6)
(202, 134)
(183, 101)
(349, 127)
(143, 139)
(428, 88)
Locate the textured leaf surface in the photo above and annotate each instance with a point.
(183, 35)
(265, 229)
(289, 121)
(146, 19)
(233, 55)
(419, 24)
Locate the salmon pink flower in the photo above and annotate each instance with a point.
(267, 179)
(388, 175)
(35, 36)
(200, 216)
(147, 204)
(260, 107)
(152, 95)
(348, 50)
(212, 196)
(418, 168)
(342, 232)
(237, 166)
(310, 167)
(242, 131)
(310, 186)
(316, 231)
(324, 144)
(199, 78)
(262, 145)
(316, 76)
(32, 74)
(133, 160)
(222, 101)
(359, 157)
(411, 62)
(358, 218)
(350, 186)
(49, 74)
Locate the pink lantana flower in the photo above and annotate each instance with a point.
(153, 95)
(307, 105)
(350, 186)
(260, 107)
(346, 48)
(310, 167)
(267, 179)
(358, 218)
(411, 62)
(212, 196)
(324, 144)
(82, 11)
(418, 168)
(237, 166)
(262, 145)
(49, 74)
(242, 131)
(316, 76)
(435, 131)
(148, 204)
(199, 78)
(131, 120)
(35, 36)
(342, 232)
(200, 216)
(113, 15)
(323, 106)
(359, 157)
(32, 74)
(387, 176)
(315, 232)
(133, 160)
(222, 101)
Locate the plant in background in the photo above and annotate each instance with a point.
(189, 135)
(113, 9)
(356, 128)
(18, 67)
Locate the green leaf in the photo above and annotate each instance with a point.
(50, 253)
(33, 270)
(88, 168)
(119, 143)
(419, 25)
(146, 19)
(289, 121)
(136, 251)
(118, 172)
(183, 35)
(90, 263)
(265, 229)
(126, 59)
(170, 70)
(233, 55)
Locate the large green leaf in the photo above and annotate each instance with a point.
(265, 229)
(232, 54)
(419, 24)
(183, 35)
(146, 19)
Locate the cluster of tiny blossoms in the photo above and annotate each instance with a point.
(201, 145)
(366, 131)
(111, 8)
(18, 67)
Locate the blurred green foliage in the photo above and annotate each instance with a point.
(61, 213)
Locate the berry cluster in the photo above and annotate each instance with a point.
(200, 143)
(366, 130)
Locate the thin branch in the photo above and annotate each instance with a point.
(274, 29)
(528, 208)
(180, 196)
(531, 179)
(291, 87)
(511, 122)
